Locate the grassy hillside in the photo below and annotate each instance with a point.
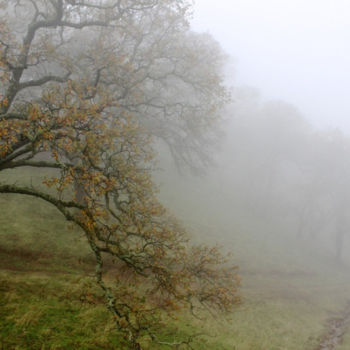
(48, 299)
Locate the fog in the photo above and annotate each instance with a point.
(275, 177)
(278, 195)
(281, 172)
(166, 146)
(296, 50)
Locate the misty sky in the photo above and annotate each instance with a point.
(295, 50)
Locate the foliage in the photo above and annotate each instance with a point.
(85, 87)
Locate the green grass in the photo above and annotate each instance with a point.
(51, 312)
(48, 299)
(62, 311)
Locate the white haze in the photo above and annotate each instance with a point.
(294, 50)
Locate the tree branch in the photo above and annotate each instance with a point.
(34, 164)
(13, 116)
(43, 80)
(61, 205)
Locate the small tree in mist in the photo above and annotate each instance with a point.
(85, 87)
(335, 166)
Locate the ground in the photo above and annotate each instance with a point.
(48, 299)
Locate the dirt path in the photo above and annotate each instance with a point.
(336, 328)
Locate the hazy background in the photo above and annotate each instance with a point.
(276, 196)
(294, 50)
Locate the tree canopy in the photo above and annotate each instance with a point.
(86, 88)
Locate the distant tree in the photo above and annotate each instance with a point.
(85, 88)
(323, 195)
(268, 139)
(336, 174)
